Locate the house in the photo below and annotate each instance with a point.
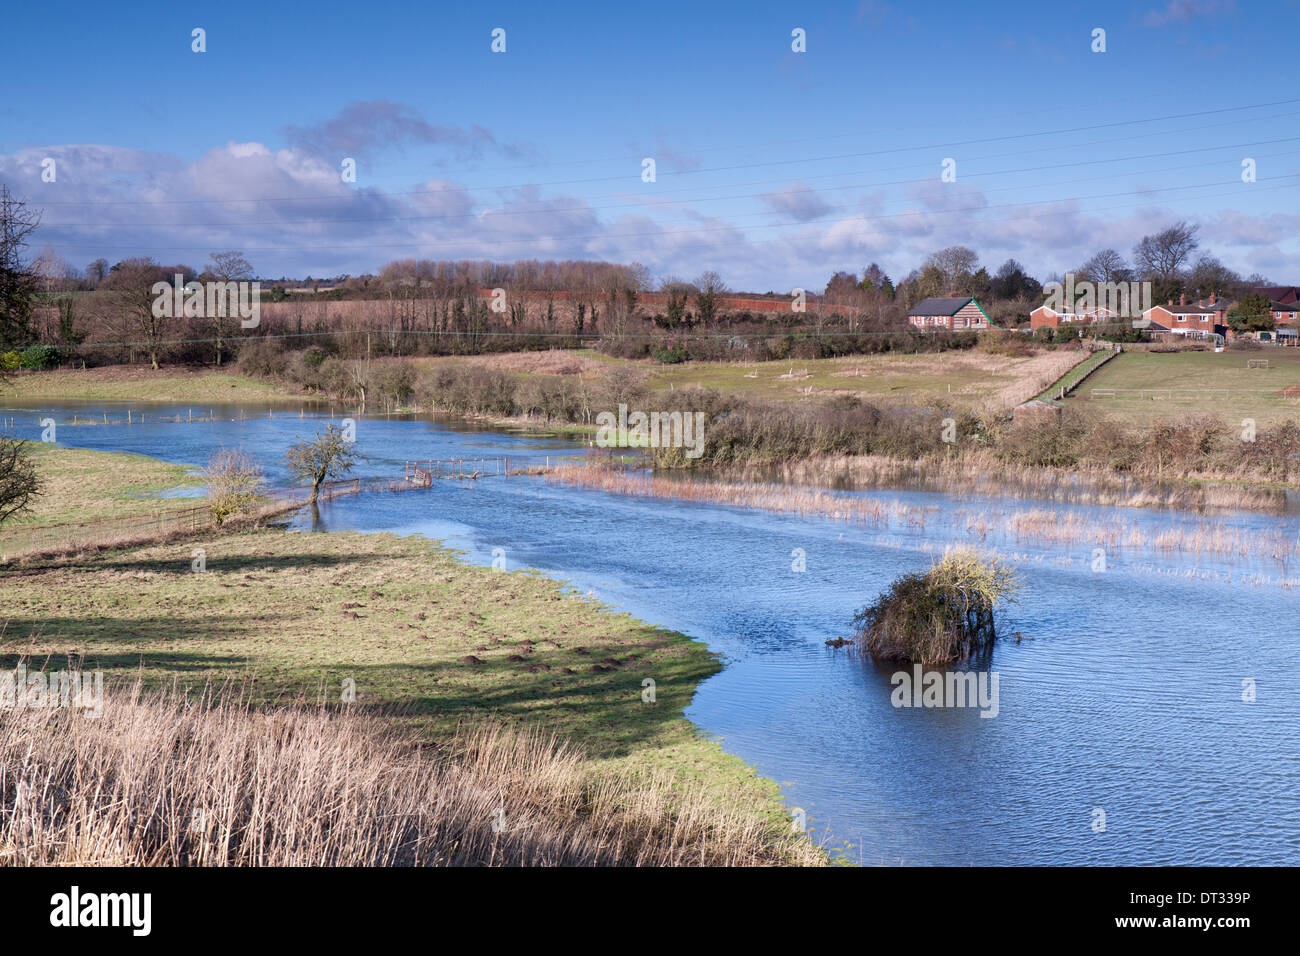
(1199, 320)
(1046, 317)
(1285, 314)
(948, 314)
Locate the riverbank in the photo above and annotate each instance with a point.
(136, 383)
(433, 649)
(1189, 464)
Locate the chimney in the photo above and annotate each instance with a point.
(1182, 298)
(1171, 301)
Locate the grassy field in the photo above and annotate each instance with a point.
(82, 485)
(973, 379)
(432, 645)
(131, 383)
(1151, 385)
(1075, 375)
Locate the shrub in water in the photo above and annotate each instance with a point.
(940, 617)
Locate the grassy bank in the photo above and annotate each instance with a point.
(82, 485)
(435, 650)
(132, 383)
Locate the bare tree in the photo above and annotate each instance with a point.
(1163, 255)
(327, 456)
(230, 266)
(131, 283)
(1106, 266)
(955, 265)
(18, 283)
(711, 289)
(97, 271)
(19, 484)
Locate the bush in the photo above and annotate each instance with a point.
(940, 617)
(235, 484)
(394, 384)
(671, 355)
(10, 361)
(263, 358)
(39, 357)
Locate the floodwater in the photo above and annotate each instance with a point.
(1148, 715)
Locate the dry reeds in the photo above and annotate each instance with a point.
(940, 617)
(1040, 526)
(166, 780)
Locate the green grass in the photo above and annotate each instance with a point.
(430, 642)
(81, 485)
(1073, 376)
(1152, 385)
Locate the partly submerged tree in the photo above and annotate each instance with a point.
(329, 456)
(235, 484)
(19, 483)
(940, 617)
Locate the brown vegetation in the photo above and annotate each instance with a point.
(171, 780)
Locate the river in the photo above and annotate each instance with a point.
(1128, 699)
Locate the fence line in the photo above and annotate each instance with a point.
(103, 532)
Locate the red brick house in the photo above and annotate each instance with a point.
(1199, 320)
(957, 313)
(1046, 317)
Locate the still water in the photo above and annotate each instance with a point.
(1127, 700)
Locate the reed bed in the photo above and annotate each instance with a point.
(173, 780)
(982, 473)
(1041, 526)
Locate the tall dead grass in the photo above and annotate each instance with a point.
(166, 780)
(1040, 526)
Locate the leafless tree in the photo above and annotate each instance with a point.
(19, 484)
(955, 265)
(131, 283)
(327, 456)
(230, 266)
(1106, 266)
(1163, 255)
(18, 283)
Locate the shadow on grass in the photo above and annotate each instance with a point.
(599, 705)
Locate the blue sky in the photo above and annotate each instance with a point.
(774, 168)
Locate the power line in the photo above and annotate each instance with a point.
(640, 205)
(730, 168)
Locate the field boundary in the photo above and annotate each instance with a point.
(112, 532)
(1071, 380)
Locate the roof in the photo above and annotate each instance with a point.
(941, 306)
(1192, 309)
(1276, 293)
